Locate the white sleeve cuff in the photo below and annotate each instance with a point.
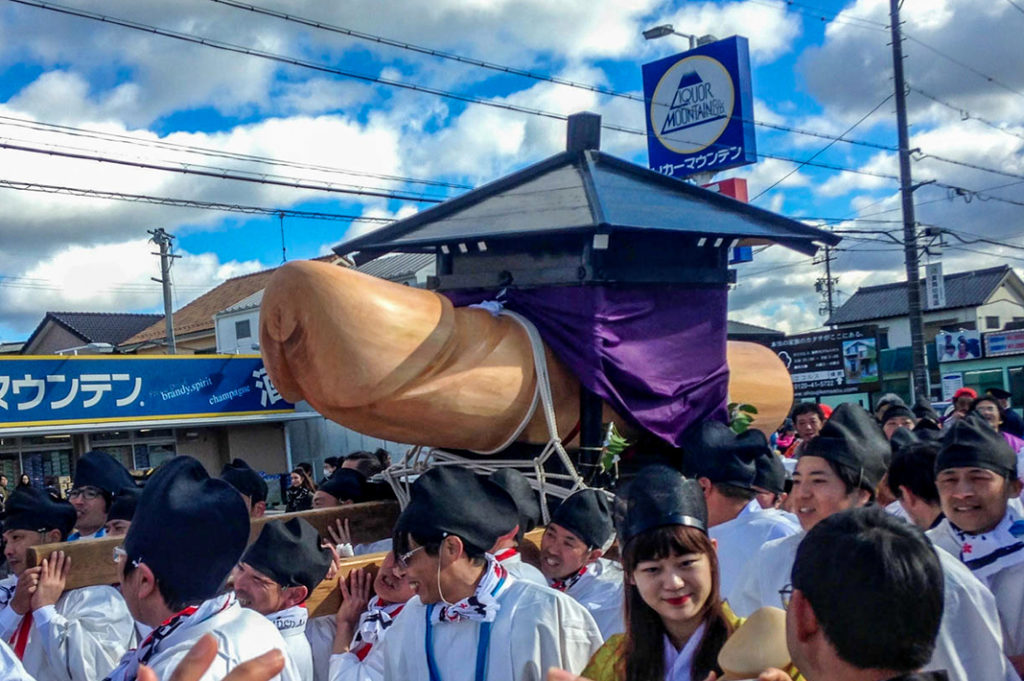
(45, 616)
(9, 621)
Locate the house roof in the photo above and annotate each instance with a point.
(585, 191)
(97, 327)
(247, 303)
(397, 266)
(963, 289)
(735, 328)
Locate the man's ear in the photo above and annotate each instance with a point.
(804, 618)
(294, 595)
(53, 536)
(259, 509)
(593, 555)
(705, 485)
(146, 581)
(452, 547)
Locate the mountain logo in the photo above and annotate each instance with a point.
(692, 104)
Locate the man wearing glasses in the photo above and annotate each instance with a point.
(98, 477)
(75, 635)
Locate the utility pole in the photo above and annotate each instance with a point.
(825, 285)
(909, 222)
(163, 240)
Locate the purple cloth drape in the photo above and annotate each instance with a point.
(657, 355)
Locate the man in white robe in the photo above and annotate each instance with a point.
(976, 477)
(470, 619)
(506, 549)
(74, 635)
(11, 668)
(98, 478)
(188, 532)
(571, 551)
(838, 471)
(277, 574)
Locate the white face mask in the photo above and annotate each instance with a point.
(327, 472)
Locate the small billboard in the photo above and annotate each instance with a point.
(956, 346)
(836, 362)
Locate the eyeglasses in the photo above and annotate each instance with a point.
(87, 493)
(786, 594)
(402, 561)
(120, 555)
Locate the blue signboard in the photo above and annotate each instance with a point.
(48, 390)
(700, 110)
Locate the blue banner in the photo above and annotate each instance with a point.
(700, 109)
(46, 390)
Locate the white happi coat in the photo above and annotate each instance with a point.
(969, 645)
(291, 624)
(241, 635)
(80, 638)
(11, 668)
(740, 538)
(1007, 586)
(320, 635)
(600, 591)
(520, 569)
(535, 628)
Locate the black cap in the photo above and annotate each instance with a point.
(100, 470)
(897, 411)
(771, 473)
(659, 496)
(970, 442)
(125, 502)
(30, 508)
(923, 409)
(518, 487)
(189, 528)
(999, 393)
(852, 438)
(289, 553)
(242, 477)
(588, 515)
(345, 484)
(454, 500)
(716, 452)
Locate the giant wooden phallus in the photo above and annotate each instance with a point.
(404, 364)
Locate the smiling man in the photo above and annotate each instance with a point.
(277, 574)
(75, 635)
(470, 619)
(976, 476)
(98, 477)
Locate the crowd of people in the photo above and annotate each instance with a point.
(869, 547)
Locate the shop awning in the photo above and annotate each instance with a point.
(197, 422)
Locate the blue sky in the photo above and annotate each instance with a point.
(818, 66)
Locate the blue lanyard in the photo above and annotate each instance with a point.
(483, 647)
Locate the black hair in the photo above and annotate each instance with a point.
(173, 602)
(370, 463)
(331, 461)
(807, 408)
(988, 398)
(733, 492)
(432, 545)
(306, 466)
(913, 467)
(860, 562)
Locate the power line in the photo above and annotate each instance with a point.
(818, 13)
(965, 114)
(184, 203)
(225, 175)
(162, 144)
(1017, 7)
(958, 63)
(921, 156)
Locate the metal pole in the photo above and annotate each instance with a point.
(828, 278)
(909, 223)
(163, 240)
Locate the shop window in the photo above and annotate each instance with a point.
(983, 380)
(991, 322)
(900, 386)
(243, 329)
(1016, 386)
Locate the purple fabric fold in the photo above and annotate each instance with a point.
(656, 355)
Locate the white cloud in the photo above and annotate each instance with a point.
(771, 30)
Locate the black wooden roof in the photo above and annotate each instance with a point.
(585, 191)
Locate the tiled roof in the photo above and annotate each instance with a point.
(963, 289)
(97, 327)
(735, 328)
(398, 266)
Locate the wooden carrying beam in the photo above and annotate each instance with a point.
(92, 561)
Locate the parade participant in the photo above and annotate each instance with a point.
(363, 620)
(506, 549)
(74, 635)
(346, 486)
(368, 463)
(676, 621)
(202, 655)
(852, 566)
(98, 477)
(885, 402)
(277, 574)
(470, 619)
(571, 551)
(1012, 421)
(808, 418)
(299, 496)
(122, 510)
(249, 484)
(188, 532)
(770, 482)
(723, 464)
(911, 480)
(897, 416)
(841, 471)
(976, 476)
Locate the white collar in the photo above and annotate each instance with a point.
(290, 620)
(678, 663)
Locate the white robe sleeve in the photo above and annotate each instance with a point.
(320, 634)
(10, 666)
(348, 667)
(87, 641)
(566, 641)
(745, 596)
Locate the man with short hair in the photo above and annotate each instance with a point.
(808, 418)
(122, 510)
(724, 464)
(73, 635)
(571, 550)
(470, 618)
(249, 484)
(98, 477)
(188, 532)
(506, 548)
(911, 480)
(976, 477)
(331, 464)
(852, 566)
(276, 576)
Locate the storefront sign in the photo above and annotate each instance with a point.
(700, 109)
(831, 362)
(950, 384)
(85, 389)
(1006, 343)
(955, 346)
